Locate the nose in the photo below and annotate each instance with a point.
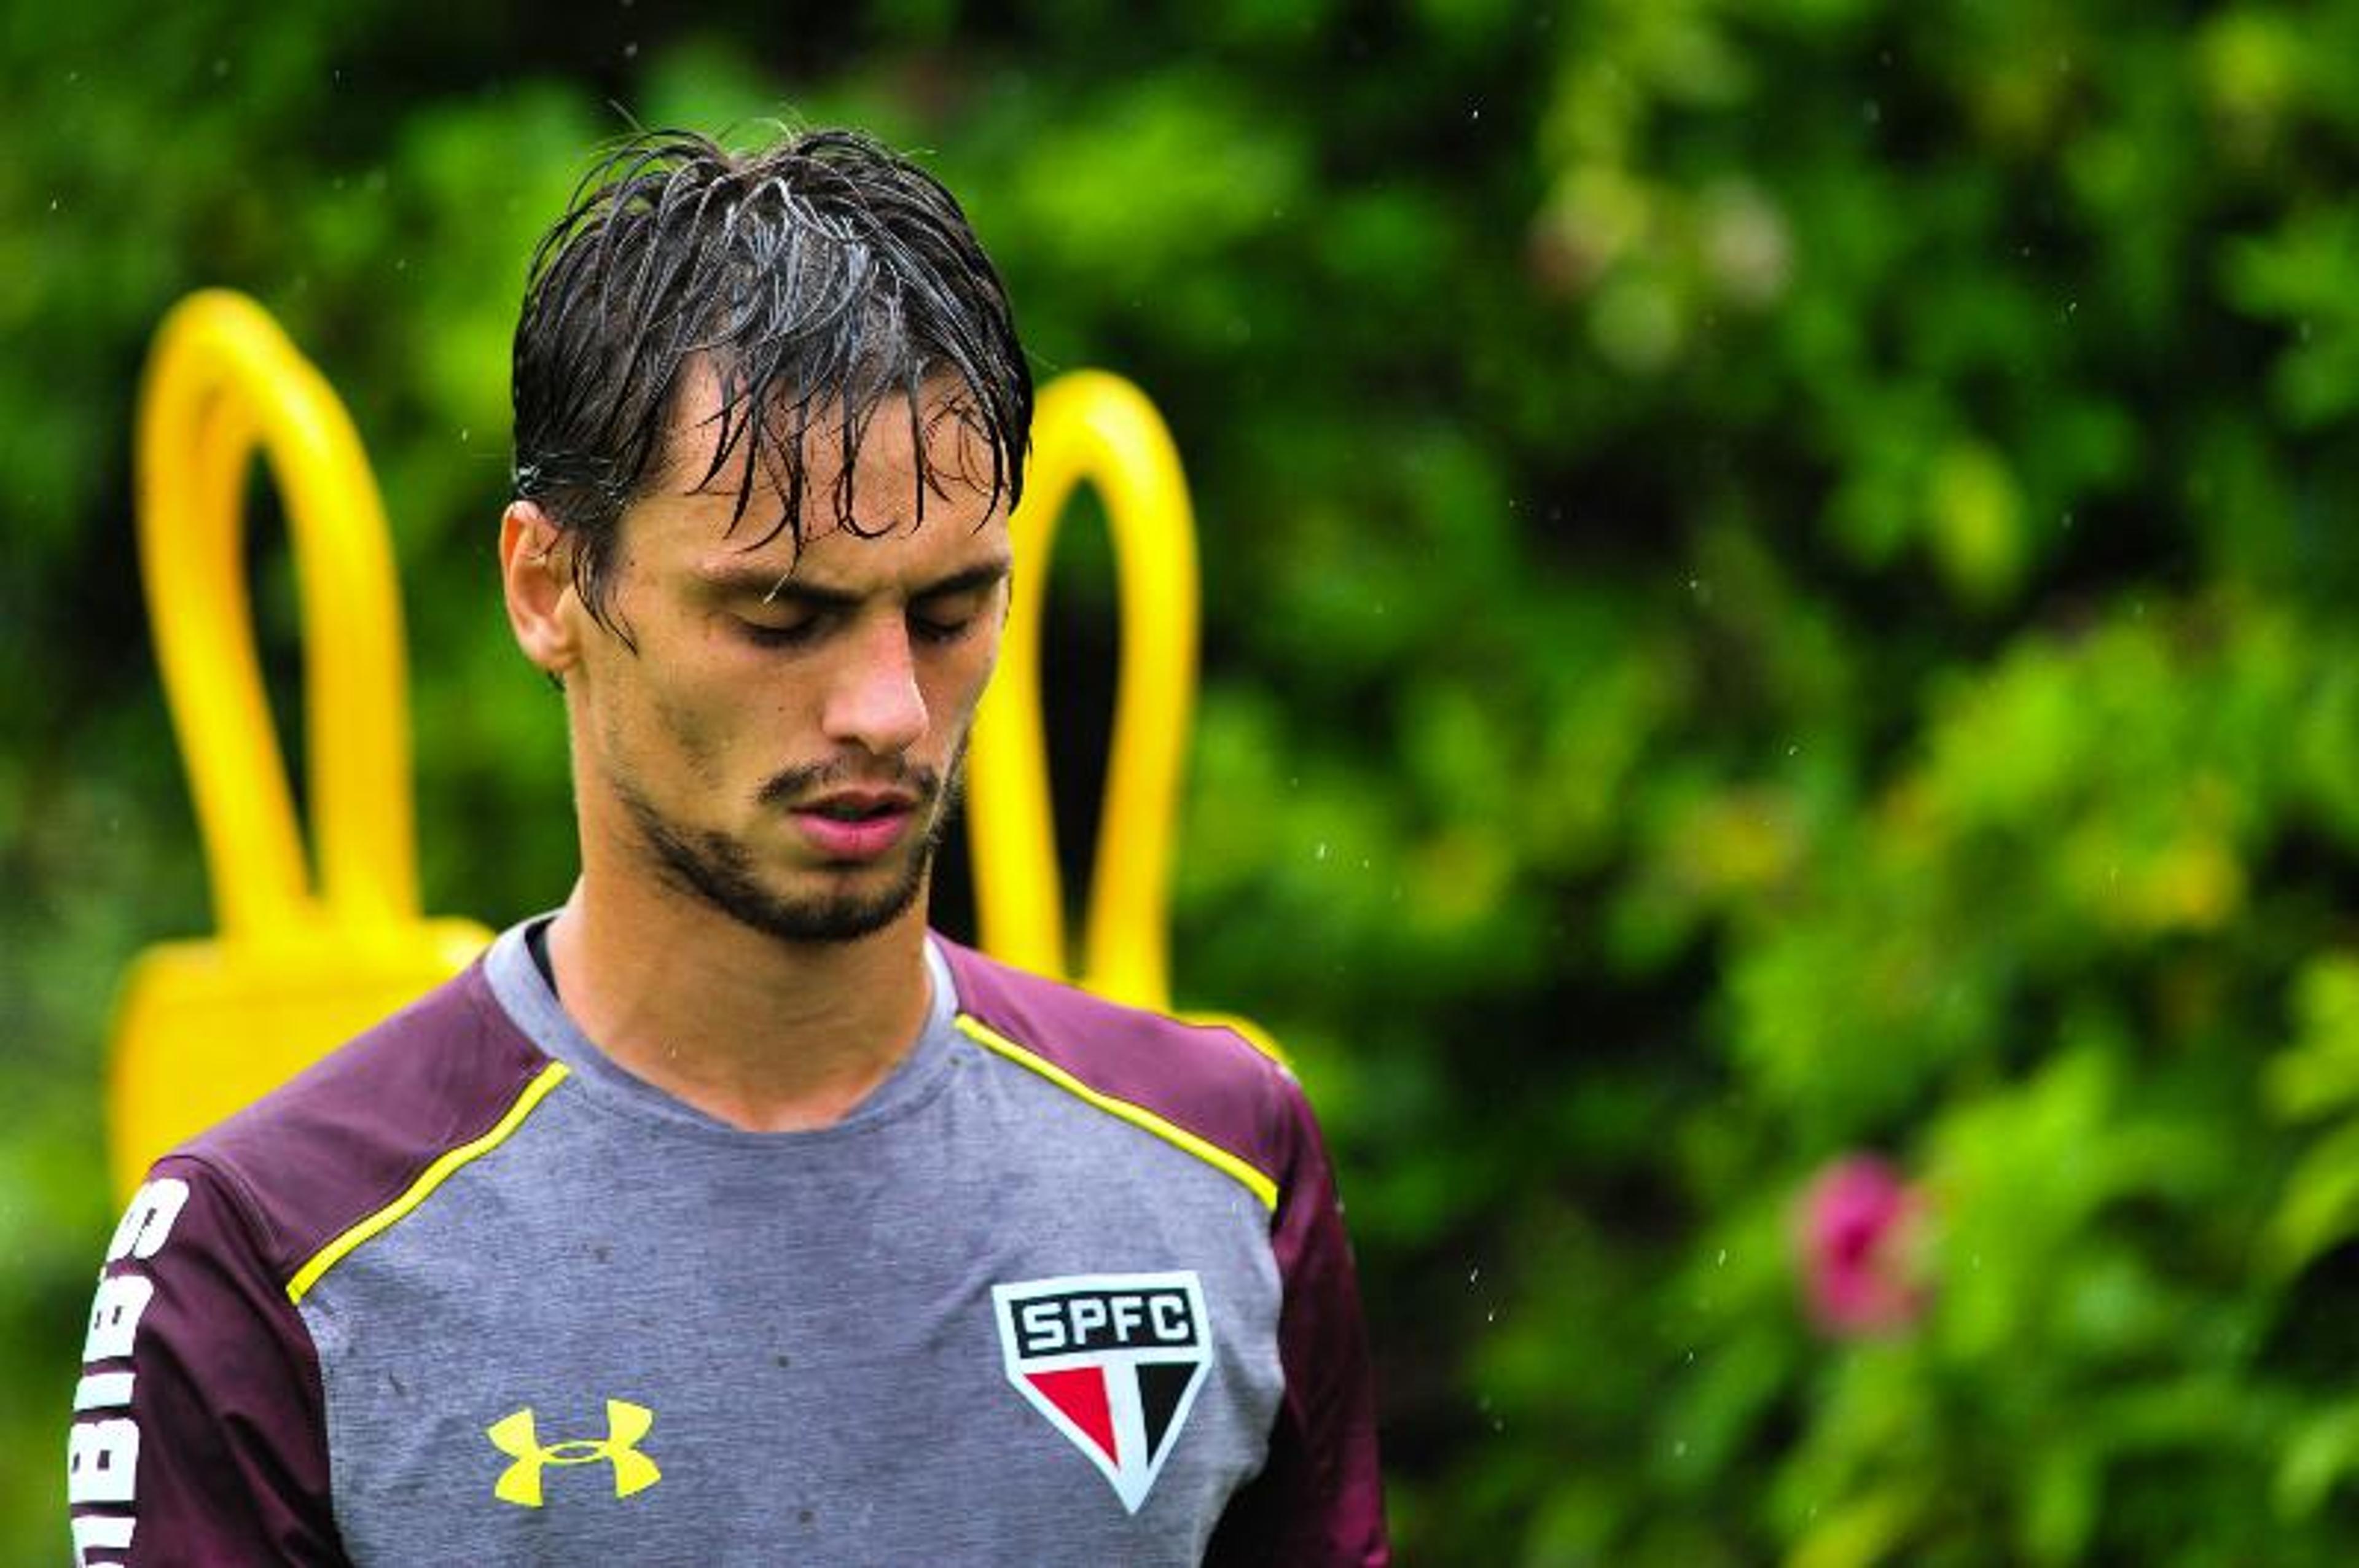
(874, 701)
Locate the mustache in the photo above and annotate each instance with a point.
(786, 788)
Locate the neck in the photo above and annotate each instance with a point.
(759, 1033)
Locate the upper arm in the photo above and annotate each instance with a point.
(199, 1435)
(1319, 1496)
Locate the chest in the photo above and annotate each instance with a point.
(946, 1345)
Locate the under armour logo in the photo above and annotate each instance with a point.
(625, 1424)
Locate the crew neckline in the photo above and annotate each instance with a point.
(527, 994)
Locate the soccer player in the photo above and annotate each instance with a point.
(727, 1214)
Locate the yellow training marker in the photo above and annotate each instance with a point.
(1094, 426)
(299, 965)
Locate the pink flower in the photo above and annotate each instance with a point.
(1861, 1234)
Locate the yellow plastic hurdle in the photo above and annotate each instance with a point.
(205, 1027)
(1094, 428)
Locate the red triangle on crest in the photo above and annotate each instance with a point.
(1081, 1393)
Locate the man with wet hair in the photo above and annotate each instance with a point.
(727, 1214)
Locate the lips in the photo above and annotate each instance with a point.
(855, 825)
(858, 805)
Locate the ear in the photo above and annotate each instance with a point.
(537, 573)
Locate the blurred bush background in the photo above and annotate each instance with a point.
(1776, 591)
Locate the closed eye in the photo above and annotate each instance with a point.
(939, 629)
(935, 629)
(791, 616)
(947, 617)
(771, 634)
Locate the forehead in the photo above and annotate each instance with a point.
(916, 482)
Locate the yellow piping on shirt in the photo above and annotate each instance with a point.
(1139, 1116)
(434, 1176)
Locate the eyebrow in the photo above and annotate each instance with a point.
(774, 589)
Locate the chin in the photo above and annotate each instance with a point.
(840, 915)
(825, 908)
(806, 906)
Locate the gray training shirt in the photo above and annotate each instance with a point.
(1069, 1287)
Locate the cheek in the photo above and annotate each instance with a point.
(959, 688)
(677, 730)
(696, 734)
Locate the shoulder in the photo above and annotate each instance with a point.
(1204, 1081)
(350, 1134)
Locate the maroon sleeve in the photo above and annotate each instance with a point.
(199, 1435)
(1319, 1499)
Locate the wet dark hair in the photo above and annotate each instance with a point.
(818, 278)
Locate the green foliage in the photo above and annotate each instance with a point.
(1773, 579)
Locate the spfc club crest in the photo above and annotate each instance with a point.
(1114, 1361)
